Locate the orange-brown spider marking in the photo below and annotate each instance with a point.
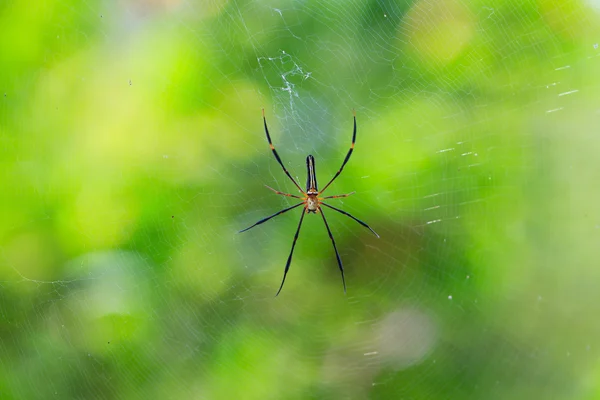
(311, 200)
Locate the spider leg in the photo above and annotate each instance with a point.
(271, 216)
(277, 155)
(347, 156)
(289, 260)
(339, 260)
(337, 196)
(354, 218)
(284, 194)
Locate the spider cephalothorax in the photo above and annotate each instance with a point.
(311, 200)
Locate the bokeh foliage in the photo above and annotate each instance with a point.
(132, 150)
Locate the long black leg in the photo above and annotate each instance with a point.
(339, 260)
(354, 218)
(346, 159)
(271, 216)
(277, 155)
(289, 260)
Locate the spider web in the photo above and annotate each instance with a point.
(133, 151)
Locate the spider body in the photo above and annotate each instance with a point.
(311, 200)
(312, 193)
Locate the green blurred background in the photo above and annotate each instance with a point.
(132, 151)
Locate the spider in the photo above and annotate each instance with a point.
(311, 200)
